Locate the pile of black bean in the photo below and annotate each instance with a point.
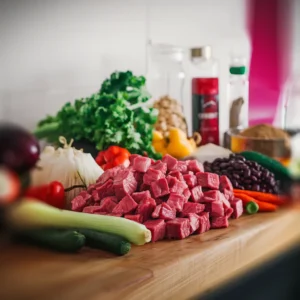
(244, 174)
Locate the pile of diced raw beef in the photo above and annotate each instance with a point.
(172, 198)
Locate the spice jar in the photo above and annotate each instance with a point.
(165, 82)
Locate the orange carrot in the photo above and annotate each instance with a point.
(263, 206)
(263, 197)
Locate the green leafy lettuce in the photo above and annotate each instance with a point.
(116, 115)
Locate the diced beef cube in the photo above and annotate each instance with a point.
(106, 189)
(170, 161)
(141, 164)
(190, 179)
(132, 158)
(191, 207)
(194, 222)
(228, 194)
(138, 177)
(124, 183)
(109, 174)
(91, 188)
(204, 224)
(181, 166)
(210, 196)
(176, 201)
(209, 180)
(160, 188)
(176, 186)
(80, 201)
(178, 228)
(139, 196)
(237, 206)
(187, 194)
(177, 174)
(135, 218)
(217, 209)
(152, 175)
(91, 209)
(219, 222)
(195, 166)
(225, 184)
(226, 203)
(160, 166)
(156, 212)
(108, 204)
(95, 196)
(125, 206)
(144, 187)
(167, 212)
(161, 200)
(146, 208)
(196, 193)
(228, 212)
(157, 228)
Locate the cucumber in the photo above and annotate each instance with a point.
(274, 166)
(104, 241)
(55, 239)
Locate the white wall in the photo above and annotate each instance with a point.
(53, 51)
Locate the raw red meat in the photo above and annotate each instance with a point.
(144, 187)
(160, 166)
(216, 209)
(204, 224)
(176, 201)
(177, 174)
(132, 157)
(138, 177)
(125, 206)
(195, 166)
(237, 206)
(178, 228)
(208, 180)
(228, 212)
(225, 184)
(91, 209)
(226, 203)
(219, 222)
(160, 188)
(141, 164)
(167, 212)
(181, 166)
(176, 186)
(109, 174)
(194, 222)
(156, 212)
(170, 161)
(139, 196)
(190, 179)
(108, 204)
(196, 194)
(210, 196)
(95, 196)
(136, 218)
(152, 175)
(79, 202)
(191, 207)
(228, 194)
(146, 208)
(187, 194)
(106, 189)
(157, 228)
(124, 183)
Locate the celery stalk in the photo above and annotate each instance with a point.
(29, 213)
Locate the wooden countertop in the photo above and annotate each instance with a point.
(164, 270)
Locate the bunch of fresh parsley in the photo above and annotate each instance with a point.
(116, 115)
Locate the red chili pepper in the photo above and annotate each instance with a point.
(52, 193)
(112, 157)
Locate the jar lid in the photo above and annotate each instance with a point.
(241, 70)
(204, 52)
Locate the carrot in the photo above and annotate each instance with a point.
(263, 206)
(263, 197)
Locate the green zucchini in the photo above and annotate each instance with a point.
(55, 239)
(104, 241)
(274, 166)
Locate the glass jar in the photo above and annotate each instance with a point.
(165, 74)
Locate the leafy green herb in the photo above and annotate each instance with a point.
(116, 115)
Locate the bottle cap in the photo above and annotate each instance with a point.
(204, 52)
(241, 70)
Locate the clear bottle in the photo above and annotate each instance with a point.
(205, 95)
(238, 95)
(165, 74)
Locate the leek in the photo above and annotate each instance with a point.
(29, 213)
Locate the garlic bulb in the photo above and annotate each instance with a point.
(71, 167)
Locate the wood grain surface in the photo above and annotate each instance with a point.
(163, 270)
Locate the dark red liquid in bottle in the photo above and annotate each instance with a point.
(205, 109)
